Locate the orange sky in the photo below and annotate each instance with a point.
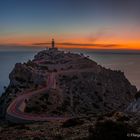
(109, 25)
(102, 43)
(116, 37)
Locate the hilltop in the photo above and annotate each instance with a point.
(82, 86)
(69, 90)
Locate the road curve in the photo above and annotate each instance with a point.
(15, 112)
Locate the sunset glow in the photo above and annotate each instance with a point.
(99, 24)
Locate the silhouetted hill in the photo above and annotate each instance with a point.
(83, 86)
(83, 90)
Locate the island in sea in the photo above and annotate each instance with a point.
(64, 95)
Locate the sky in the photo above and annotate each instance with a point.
(97, 24)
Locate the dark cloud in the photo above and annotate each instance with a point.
(81, 44)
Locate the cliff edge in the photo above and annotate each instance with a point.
(82, 86)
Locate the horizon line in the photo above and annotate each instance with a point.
(94, 46)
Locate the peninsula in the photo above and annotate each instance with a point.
(58, 87)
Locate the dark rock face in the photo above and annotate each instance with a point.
(86, 87)
(91, 92)
(24, 75)
(134, 106)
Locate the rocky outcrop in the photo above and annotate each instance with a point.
(134, 106)
(96, 92)
(85, 90)
(83, 86)
(24, 76)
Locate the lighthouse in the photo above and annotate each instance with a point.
(53, 47)
(53, 44)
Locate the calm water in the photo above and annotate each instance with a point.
(127, 62)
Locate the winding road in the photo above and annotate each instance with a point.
(15, 112)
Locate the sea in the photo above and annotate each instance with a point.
(128, 62)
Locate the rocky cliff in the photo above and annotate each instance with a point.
(83, 86)
(134, 106)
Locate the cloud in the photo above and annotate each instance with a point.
(104, 32)
(82, 44)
